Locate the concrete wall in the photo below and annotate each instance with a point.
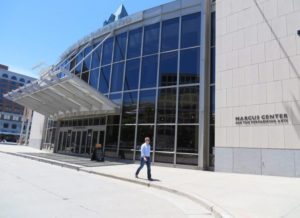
(257, 73)
(36, 132)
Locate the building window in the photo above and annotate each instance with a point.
(149, 72)
(120, 47)
(190, 30)
(129, 107)
(5, 125)
(134, 43)
(14, 126)
(169, 35)
(132, 74)
(104, 79)
(79, 58)
(151, 39)
(166, 108)
(147, 106)
(107, 51)
(117, 77)
(188, 106)
(189, 66)
(127, 142)
(87, 59)
(94, 76)
(165, 138)
(5, 75)
(22, 80)
(187, 139)
(96, 56)
(168, 69)
(14, 78)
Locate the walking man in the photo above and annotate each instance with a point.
(145, 157)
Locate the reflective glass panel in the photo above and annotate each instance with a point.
(165, 138)
(166, 107)
(142, 132)
(96, 57)
(212, 65)
(190, 30)
(117, 77)
(187, 159)
(188, 106)
(85, 76)
(107, 51)
(116, 98)
(127, 137)
(213, 29)
(87, 59)
(149, 72)
(169, 34)
(134, 43)
(189, 66)
(79, 66)
(120, 47)
(104, 79)
(132, 74)
(151, 39)
(168, 69)
(94, 76)
(164, 158)
(147, 106)
(212, 105)
(187, 139)
(113, 119)
(112, 134)
(129, 107)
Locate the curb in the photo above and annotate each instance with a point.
(215, 210)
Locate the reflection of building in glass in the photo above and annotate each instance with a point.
(141, 75)
(10, 112)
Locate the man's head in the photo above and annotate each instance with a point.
(147, 140)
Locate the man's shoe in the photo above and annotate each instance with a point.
(150, 179)
(136, 176)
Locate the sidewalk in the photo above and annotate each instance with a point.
(224, 194)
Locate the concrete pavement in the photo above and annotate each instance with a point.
(30, 189)
(227, 195)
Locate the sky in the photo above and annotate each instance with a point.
(34, 33)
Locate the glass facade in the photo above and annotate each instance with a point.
(153, 72)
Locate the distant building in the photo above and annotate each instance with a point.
(10, 112)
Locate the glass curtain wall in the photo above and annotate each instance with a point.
(153, 73)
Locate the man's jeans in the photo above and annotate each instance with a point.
(142, 163)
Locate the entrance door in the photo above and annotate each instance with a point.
(88, 141)
(83, 142)
(73, 142)
(64, 141)
(77, 144)
(94, 141)
(60, 141)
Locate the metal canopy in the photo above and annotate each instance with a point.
(62, 94)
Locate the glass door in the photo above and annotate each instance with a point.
(64, 141)
(73, 142)
(89, 141)
(94, 141)
(83, 142)
(77, 144)
(60, 140)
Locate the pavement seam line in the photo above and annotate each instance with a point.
(216, 210)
